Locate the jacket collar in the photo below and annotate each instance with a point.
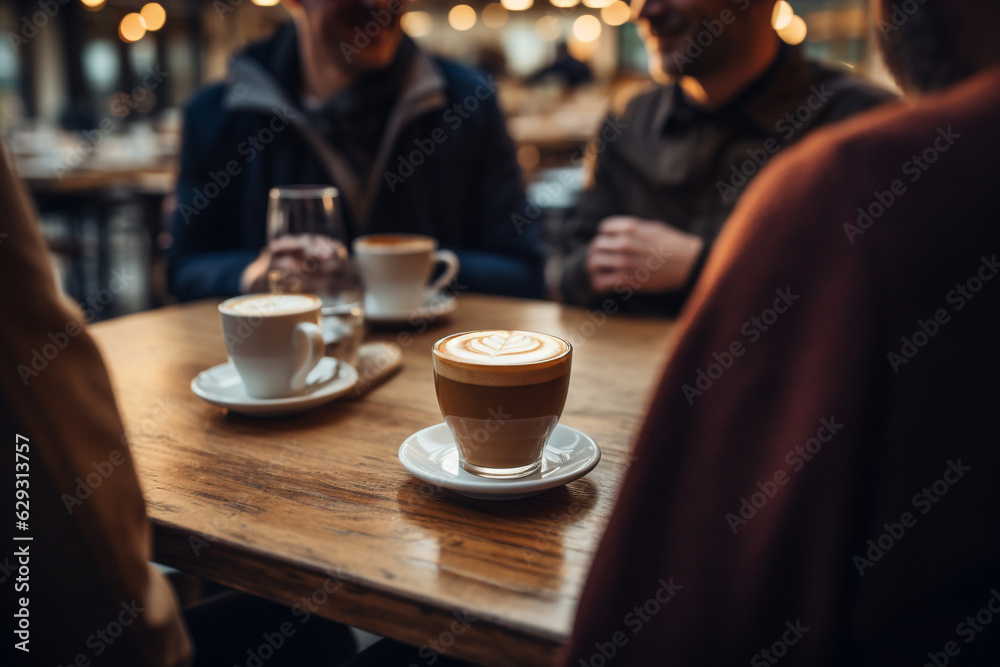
(254, 85)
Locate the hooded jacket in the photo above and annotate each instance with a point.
(443, 166)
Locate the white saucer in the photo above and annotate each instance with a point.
(437, 305)
(432, 455)
(221, 386)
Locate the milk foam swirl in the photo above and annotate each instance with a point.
(270, 305)
(501, 348)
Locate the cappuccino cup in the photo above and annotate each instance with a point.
(273, 340)
(396, 269)
(501, 393)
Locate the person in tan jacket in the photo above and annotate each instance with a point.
(83, 589)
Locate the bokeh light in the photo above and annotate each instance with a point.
(587, 28)
(782, 15)
(564, 4)
(132, 28)
(516, 5)
(154, 15)
(494, 15)
(597, 4)
(462, 17)
(416, 24)
(795, 32)
(617, 13)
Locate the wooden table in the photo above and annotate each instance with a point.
(316, 510)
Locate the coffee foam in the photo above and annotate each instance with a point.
(270, 305)
(499, 357)
(394, 243)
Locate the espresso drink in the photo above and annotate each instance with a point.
(501, 393)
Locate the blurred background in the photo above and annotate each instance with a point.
(91, 91)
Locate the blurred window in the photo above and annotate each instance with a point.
(100, 66)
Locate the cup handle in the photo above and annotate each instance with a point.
(450, 259)
(307, 338)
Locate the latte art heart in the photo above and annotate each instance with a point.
(497, 345)
(497, 348)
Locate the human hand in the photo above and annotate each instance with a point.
(647, 255)
(297, 263)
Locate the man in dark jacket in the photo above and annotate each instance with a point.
(669, 171)
(341, 96)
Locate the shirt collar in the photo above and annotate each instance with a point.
(764, 101)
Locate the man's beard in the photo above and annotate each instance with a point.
(917, 47)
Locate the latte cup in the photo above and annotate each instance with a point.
(396, 270)
(273, 340)
(501, 393)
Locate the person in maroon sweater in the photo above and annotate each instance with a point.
(816, 481)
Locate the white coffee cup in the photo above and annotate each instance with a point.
(396, 268)
(274, 341)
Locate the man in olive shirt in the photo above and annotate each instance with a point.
(679, 157)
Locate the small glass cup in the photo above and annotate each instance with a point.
(501, 393)
(309, 254)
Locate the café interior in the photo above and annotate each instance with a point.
(368, 462)
(91, 99)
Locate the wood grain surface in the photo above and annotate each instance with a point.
(316, 510)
